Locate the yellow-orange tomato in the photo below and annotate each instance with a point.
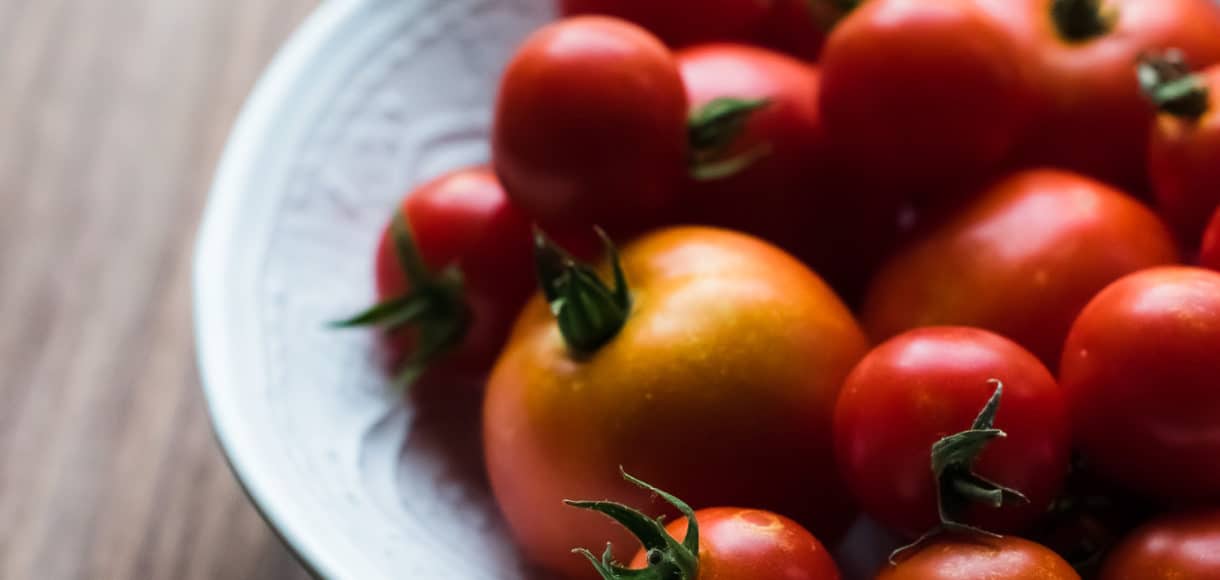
(719, 388)
(1021, 260)
(979, 558)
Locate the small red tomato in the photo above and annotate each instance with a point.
(1022, 259)
(590, 124)
(930, 92)
(452, 270)
(927, 384)
(1184, 150)
(793, 192)
(1180, 546)
(977, 558)
(1209, 256)
(1080, 56)
(682, 22)
(1140, 372)
(719, 543)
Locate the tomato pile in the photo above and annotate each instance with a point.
(946, 266)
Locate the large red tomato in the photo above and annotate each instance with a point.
(796, 192)
(931, 93)
(979, 558)
(590, 124)
(1080, 56)
(716, 379)
(1022, 260)
(1140, 372)
(1180, 546)
(1184, 151)
(453, 268)
(922, 386)
(1209, 255)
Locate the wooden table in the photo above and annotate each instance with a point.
(112, 115)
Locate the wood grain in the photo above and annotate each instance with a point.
(112, 115)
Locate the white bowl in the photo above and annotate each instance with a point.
(369, 98)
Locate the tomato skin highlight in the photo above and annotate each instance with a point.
(1006, 558)
(590, 125)
(931, 91)
(1183, 545)
(1090, 114)
(1184, 163)
(732, 348)
(929, 383)
(1139, 371)
(745, 544)
(464, 218)
(1209, 255)
(1021, 260)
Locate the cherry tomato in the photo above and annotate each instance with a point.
(716, 380)
(919, 387)
(1139, 371)
(1184, 152)
(1209, 256)
(590, 124)
(1080, 56)
(473, 275)
(796, 194)
(680, 23)
(1184, 545)
(1022, 259)
(976, 558)
(930, 92)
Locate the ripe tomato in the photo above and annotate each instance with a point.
(719, 543)
(1184, 545)
(728, 348)
(1080, 56)
(590, 124)
(974, 558)
(931, 91)
(680, 23)
(1209, 256)
(929, 383)
(470, 251)
(1184, 151)
(1022, 260)
(796, 194)
(1139, 371)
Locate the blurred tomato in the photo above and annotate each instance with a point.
(590, 125)
(1140, 372)
(1184, 150)
(1080, 56)
(1180, 546)
(1022, 260)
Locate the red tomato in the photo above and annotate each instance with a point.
(1185, 545)
(930, 383)
(977, 558)
(1184, 154)
(1080, 56)
(718, 382)
(930, 93)
(590, 124)
(1140, 371)
(1022, 260)
(682, 22)
(1209, 257)
(797, 194)
(459, 223)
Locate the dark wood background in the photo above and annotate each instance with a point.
(112, 115)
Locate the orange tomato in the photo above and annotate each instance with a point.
(957, 558)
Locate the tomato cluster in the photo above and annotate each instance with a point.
(949, 267)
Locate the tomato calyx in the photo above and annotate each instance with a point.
(1169, 83)
(1082, 20)
(957, 485)
(434, 306)
(668, 559)
(589, 312)
(711, 131)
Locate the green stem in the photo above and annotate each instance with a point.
(1082, 20)
(711, 132)
(588, 311)
(1168, 82)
